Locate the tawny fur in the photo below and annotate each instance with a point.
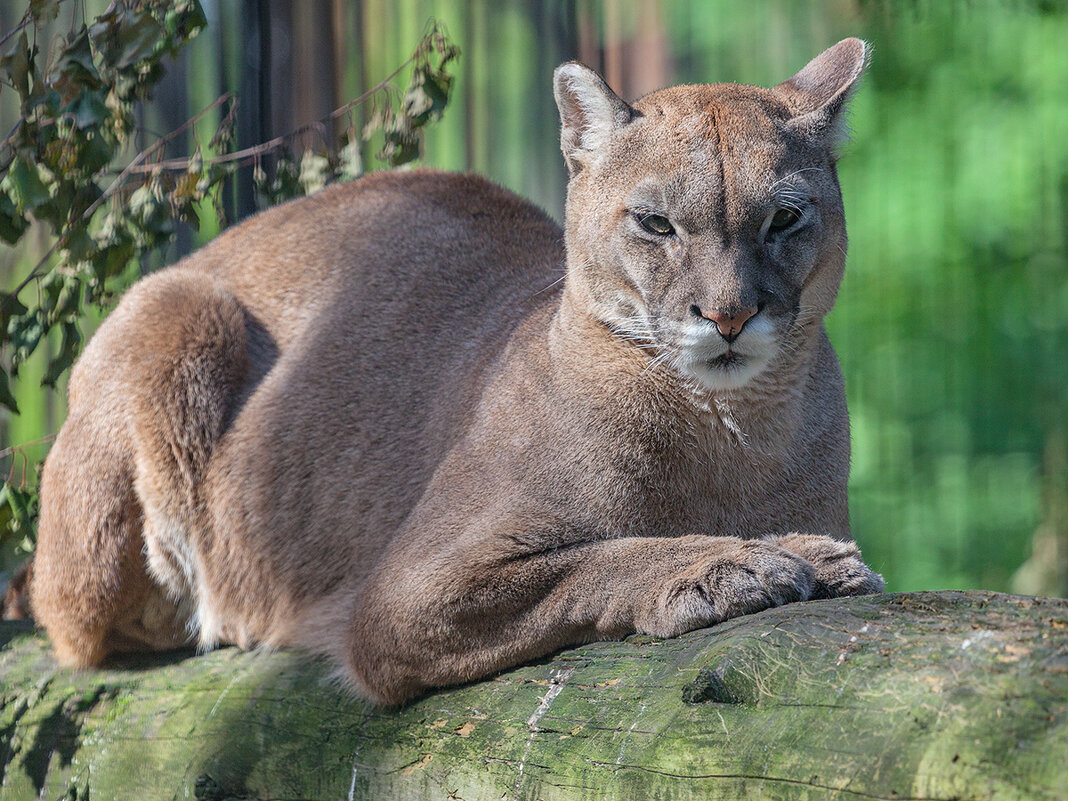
(375, 424)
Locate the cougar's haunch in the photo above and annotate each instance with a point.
(375, 423)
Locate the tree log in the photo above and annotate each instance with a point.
(936, 695)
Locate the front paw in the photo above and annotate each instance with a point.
(840, 568)
(736, 577)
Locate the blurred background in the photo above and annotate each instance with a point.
(952, 324)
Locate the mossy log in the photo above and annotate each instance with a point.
(945, 695)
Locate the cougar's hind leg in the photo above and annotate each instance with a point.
(89, 566)
(188, 374)
(116, 568)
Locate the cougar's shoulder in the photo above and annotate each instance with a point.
(385, 234)
(388, 215)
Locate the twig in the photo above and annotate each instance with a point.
(24, 445)
(22, 24)
(250, 154)
(44, 259)
(116, 185)
(242, 157)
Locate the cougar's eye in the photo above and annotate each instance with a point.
(655, 223)
(783, 219)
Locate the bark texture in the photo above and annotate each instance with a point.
(947, 695)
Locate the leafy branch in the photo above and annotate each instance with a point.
(62, 165)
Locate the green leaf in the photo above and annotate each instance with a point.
(45, 97)
(6, 397)
(12, 224)
(62, 295)
(25, 334)
(402, 143)
(212, 175)
(77, 247)
(24, 186)
(18, 515)
(19, 502)
(138, 41)
(185, 20)
(75, 66)
(145, 202)
(17, 62)
(286, 183)
(96, 152)
(380, 118)
(196, 162)
(9, 307)
(114, 249)
(112, 261)
(224, 133)
(68, 352)
(87, 109)
(427, 95)
(125, 37)
(187, 213)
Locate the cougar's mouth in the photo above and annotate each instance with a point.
(728, 369)
(726, 361)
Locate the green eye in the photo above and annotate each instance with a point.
(655, 224)
(783, 219)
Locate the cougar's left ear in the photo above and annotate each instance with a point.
(818, 95)
(590, 112)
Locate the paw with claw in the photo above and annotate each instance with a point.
(725, 578)
(839, 566)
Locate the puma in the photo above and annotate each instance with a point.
(411, 425)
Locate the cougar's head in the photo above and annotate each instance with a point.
(706, 222)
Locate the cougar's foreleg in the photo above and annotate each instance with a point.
(432, 619)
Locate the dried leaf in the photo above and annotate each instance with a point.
(314, 171)
(44, 11)
(350, 162)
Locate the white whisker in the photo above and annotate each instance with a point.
(550, 286)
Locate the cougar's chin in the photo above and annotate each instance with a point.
(732, 370)
(717, 365)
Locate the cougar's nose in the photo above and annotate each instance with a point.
(729, 322)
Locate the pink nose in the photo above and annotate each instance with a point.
(729, 325)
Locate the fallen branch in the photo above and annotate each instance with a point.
(943, 695)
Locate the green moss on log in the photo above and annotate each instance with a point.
(924, 695)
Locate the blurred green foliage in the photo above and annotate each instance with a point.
(952, 324)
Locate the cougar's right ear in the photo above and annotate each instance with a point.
(818, 95)
(590, 112)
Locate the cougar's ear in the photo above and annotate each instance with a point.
(817, 96)
(590, 112)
